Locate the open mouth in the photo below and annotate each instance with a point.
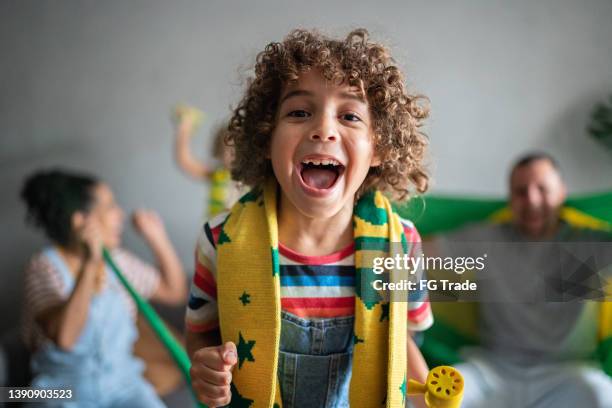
(320, 174)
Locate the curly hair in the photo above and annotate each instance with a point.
(356, 61)
(53, 196)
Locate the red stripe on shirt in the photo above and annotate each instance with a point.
(316, 260)
(204, 280)
(321, 313)
(216, 231)
(200, 328)
(412, 235)
(318, 303)
(420, 313)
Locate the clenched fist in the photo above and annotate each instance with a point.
(211, 374)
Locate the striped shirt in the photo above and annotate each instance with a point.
(312, 287)
(44, 287)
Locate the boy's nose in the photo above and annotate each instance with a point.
(324, 131)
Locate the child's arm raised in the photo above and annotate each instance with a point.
(187, 120)
(172, 289)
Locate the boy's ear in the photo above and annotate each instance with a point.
(376, 160)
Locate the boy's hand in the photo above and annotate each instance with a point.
(187, 119)
(211, 374)
(185, 126)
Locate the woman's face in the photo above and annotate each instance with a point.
(107, 214)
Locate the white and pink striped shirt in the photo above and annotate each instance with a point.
(44, 287)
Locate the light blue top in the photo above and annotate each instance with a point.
(100, 368)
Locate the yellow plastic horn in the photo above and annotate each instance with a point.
(443, 388)
(193, 113)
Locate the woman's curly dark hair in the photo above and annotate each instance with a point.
(397, 115)
(53, 196)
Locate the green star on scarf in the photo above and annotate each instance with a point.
(238, 401)
(244, 350)
(403, 389)
(357, 339)
(245, 298)
(223, 238)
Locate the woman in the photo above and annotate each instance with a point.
(79, 320)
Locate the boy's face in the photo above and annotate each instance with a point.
(322, 146)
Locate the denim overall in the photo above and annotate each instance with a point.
(100, 369)
(314, 362)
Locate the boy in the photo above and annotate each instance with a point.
(281, 308)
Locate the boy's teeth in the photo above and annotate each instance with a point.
(320, 162)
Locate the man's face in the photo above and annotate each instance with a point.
(536, 194)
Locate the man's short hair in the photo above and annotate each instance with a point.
(531, 157)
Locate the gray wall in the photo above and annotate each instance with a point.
(89, 85)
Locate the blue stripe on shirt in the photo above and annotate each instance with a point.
(307, 280)
(196, 302)
(318, 270)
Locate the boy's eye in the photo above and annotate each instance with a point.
(299, 114)
(351, 117)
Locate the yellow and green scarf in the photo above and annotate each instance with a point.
(248, 294)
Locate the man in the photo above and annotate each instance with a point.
(537, 336)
